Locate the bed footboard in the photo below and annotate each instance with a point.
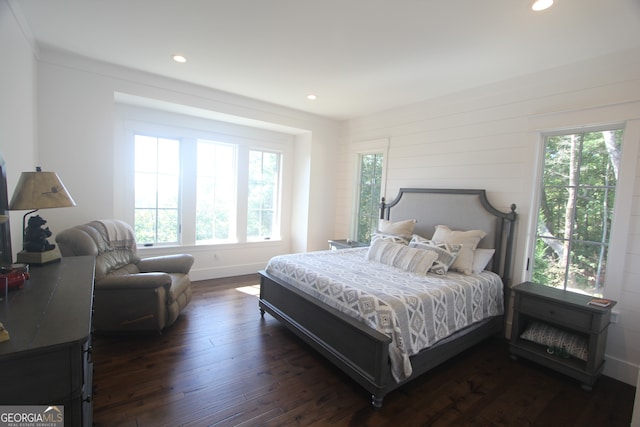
(359, 351)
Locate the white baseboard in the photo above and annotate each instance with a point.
(227, 271)
(621, 370)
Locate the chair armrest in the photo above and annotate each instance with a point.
(178, 263)
(134, 281)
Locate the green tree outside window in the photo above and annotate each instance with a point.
(575, 213)
(369, 194)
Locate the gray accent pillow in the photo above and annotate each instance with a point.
(447, 252)
(547, 335)
(401, 256)
(389, 237)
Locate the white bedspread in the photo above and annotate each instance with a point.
(415, 311)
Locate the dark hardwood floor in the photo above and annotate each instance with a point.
(220, 364)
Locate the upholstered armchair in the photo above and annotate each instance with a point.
(131, 294)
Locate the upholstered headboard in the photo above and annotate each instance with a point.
(460, 210)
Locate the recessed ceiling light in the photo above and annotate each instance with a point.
(311, 97)
(179, 58)
(539, 5)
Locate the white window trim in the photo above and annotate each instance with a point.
(277, 230)
(239, 218)
(622, 115)
(359, 148)
(131, 120)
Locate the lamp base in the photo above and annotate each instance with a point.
(39, 257)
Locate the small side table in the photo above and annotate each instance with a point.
(345, 244)
(568, 311)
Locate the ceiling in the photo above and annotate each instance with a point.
(357, 56)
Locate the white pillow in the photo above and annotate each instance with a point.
(447, 253)
(400, 228)
(401, 256)
(469, 241)
(480, 259)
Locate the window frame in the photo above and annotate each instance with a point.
(133, 120)
(233, 237)
(156, 208)
(583, 120)
(580, 186)
(276, 233)
(358, 208)
(377, 146)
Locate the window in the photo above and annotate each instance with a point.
(203, 191)
(369, 194)
(157, 189)
(264, 178)
(578, 188)
(215, 191)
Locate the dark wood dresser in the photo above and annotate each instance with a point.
(47, 360)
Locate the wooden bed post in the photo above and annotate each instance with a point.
(511, 219)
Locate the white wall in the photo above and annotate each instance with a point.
(17, 107)
(489, 138)
(77, 138)
(58, 111)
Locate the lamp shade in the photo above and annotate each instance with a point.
(40, 190)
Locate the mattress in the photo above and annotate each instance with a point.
(415, 311)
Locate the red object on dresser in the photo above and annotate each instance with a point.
(13, 277)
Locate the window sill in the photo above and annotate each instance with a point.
(208, 246)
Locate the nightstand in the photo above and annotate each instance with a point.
(345, 244)
(566, 312)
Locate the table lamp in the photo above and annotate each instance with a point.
(38, 190)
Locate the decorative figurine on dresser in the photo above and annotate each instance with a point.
(562, 330)
(35, 235)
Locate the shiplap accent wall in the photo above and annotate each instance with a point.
(490, 137)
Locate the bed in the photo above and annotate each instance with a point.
(380, 355)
